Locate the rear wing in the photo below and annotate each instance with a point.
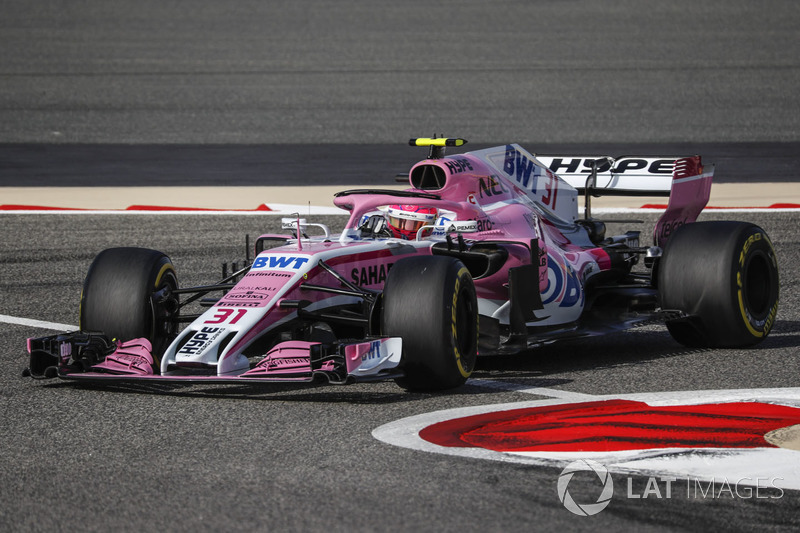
(683, 179)
(621, 176)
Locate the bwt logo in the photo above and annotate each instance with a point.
(374, 351)
(279, 262)
(518, 166)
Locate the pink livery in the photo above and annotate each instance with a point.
(493, 251)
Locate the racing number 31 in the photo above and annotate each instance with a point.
(223, 314)
(550, 191)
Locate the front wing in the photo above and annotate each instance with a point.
(86, 356)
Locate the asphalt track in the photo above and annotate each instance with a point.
(136, 81)
(282, 458)
(357, 71)
(273, 165)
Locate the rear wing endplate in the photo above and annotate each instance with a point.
(689, 194)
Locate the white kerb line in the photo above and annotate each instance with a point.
(37, 323)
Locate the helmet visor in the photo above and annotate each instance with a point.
(404, 224)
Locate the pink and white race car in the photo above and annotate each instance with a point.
(486, 253)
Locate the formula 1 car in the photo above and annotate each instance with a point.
(485, 254)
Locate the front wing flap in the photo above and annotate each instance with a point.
(88, 356)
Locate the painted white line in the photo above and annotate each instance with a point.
(55, 326)
(527, 389)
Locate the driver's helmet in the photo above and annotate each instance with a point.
(405, 220)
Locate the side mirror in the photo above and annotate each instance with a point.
(374, 225)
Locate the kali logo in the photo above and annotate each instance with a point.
(585, 509)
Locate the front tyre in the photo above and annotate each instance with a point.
(127, 294)
(724, 275)
(430, 302)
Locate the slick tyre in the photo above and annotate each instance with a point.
(724, 275)
(127, 294)
(430, 302)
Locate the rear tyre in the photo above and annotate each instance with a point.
(724, 275)
(430, 302)
(127, 294)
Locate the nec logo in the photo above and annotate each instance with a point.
(279, 262)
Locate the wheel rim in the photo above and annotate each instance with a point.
(465, 330)
(758, 281)
(162, 325)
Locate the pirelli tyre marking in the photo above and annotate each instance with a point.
(454, 324)
(758, 327)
